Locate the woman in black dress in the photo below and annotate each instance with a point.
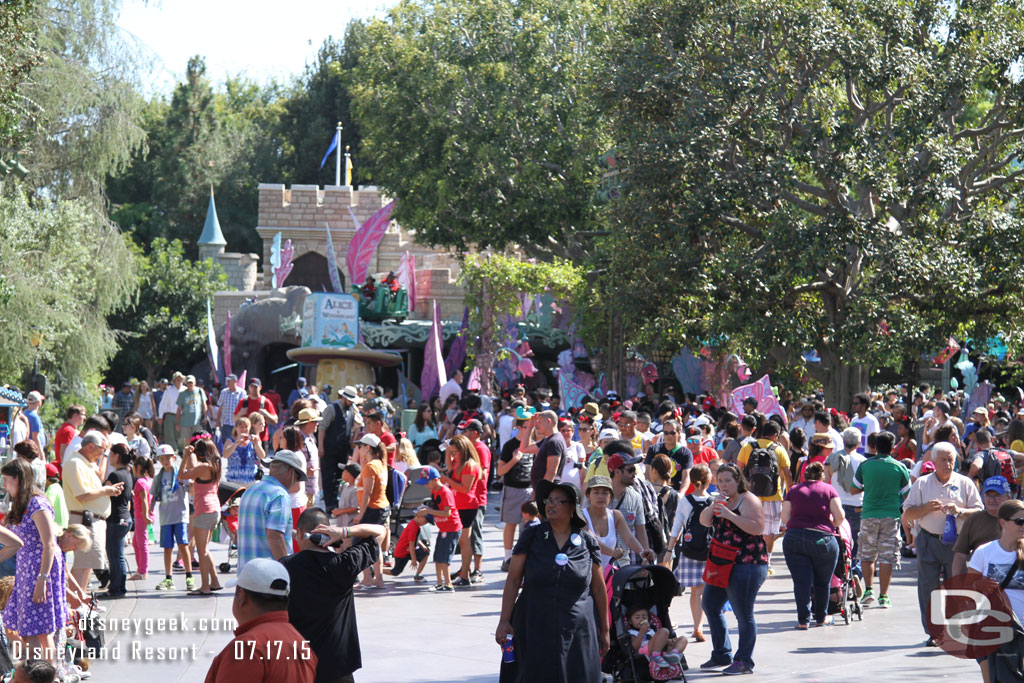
(559, 622)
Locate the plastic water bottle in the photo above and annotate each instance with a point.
(508, 650)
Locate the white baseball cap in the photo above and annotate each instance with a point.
(294, 460)
(611, 434)
(164, 449)
(264, 576)
(371, 440)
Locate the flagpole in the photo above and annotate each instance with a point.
(337, 158)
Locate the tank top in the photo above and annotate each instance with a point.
(206, 499)
(610, 539)
(146, 405)
(752, 549)
(904, 450)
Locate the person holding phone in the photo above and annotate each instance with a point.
(243, 454)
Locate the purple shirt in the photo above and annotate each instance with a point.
(810, 501)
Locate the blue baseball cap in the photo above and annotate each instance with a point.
(427, 474)
(997, 484)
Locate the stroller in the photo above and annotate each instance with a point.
(843, 598)
(654, 587)
(229, 495)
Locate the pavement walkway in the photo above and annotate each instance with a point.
(410, 635)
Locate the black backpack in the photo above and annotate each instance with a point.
(694, 541)
(150, 439)
(762, 471)
(998, 463)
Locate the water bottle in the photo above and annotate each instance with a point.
(318, 539)
(949, 532)
(508, 650)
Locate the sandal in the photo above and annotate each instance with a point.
(198, 592)
(802, 627)
(216, 588)
(698, 637)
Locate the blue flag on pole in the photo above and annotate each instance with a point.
(334, 146)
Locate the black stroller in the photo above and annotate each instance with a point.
(653, 587)
(843, 599)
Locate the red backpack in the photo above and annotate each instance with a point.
(999, 463)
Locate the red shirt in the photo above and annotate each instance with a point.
(705, 455)
(467, 501)
(247, 406)
(387, 439)
(485, 465)
(266, 648)
(409, 535)
(63, 437)
(444, 499)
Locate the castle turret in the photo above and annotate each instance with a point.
(211, 242)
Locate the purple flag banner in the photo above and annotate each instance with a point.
(457, 351)
(762, 391)
(364, 243)
(433, 376)
(332, 262)
(407, 277)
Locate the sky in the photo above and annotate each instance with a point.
(259, 38)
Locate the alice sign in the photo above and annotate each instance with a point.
(330, 320)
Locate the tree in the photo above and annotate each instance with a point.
(18, 55)
(202, 138)
(318, 101)
(164, 327)
(833, 175)
(66, 268)
(478, 116)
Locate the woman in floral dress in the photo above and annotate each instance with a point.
(38, 605)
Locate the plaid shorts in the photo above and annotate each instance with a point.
(879, 540)
(772, 516)
(689, 572)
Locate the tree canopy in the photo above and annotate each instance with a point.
(479, 117)
(832, 175)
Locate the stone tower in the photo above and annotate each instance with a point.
(211, 242)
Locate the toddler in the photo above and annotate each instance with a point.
(652, 643)
(348, 495)
(413, 543)
(531, 514)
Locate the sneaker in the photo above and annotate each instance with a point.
(771, 572)
(883, 602)
(459, 581)
(868, 597)
(476, 577)
(190, 583)
(436, 589)
(504, 566)
(737, 668)
(713, 664)
(165, 585)
(930, 643)
(419, 578)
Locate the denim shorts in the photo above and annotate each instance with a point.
(445, 546)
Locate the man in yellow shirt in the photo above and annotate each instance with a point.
(768, 439)
(87, 496)
(597, 465)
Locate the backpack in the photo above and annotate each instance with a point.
(999, 463)
(395, 487)
(150, 439)
(762, 471)
(695, 535)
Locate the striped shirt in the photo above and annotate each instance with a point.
(266, 505)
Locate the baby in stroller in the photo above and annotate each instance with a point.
(651, 641)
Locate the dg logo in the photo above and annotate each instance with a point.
(969, 616)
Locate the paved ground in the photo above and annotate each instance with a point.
(410, 635)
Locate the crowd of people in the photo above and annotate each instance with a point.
(673, 481)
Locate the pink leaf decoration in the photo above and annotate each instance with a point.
(524, 349)
(285, 268)
(364, 243)
(743, 372)
(407, 277)
(526, 368)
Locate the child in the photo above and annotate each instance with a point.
(652, 643)
(531, 514)
(143, 471)
(449, 526)
(55, 494)
(173, 498)
(136, 441)
(713, 467)
(414, 542)
(348, 495)
(242, 453)
(690, 571)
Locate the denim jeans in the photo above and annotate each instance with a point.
(744, 583)
(811, 557)
(116, 533)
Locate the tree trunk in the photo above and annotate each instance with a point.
(842, 382)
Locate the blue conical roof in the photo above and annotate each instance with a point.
(212, 234)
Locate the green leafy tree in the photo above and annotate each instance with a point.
(202, 138)
(833, 175)
(164, 327)
(18, 55)
(478, 116)
(65, 268)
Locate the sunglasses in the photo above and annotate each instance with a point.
(693, 440)
(631, 469)
(670, 433)
(1019, 521)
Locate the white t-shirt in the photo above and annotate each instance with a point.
(683, 509)
(506, 427)
(867, 425)
(992, 561)
(845, 497)
(574, 455)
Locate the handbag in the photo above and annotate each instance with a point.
(718, 568)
